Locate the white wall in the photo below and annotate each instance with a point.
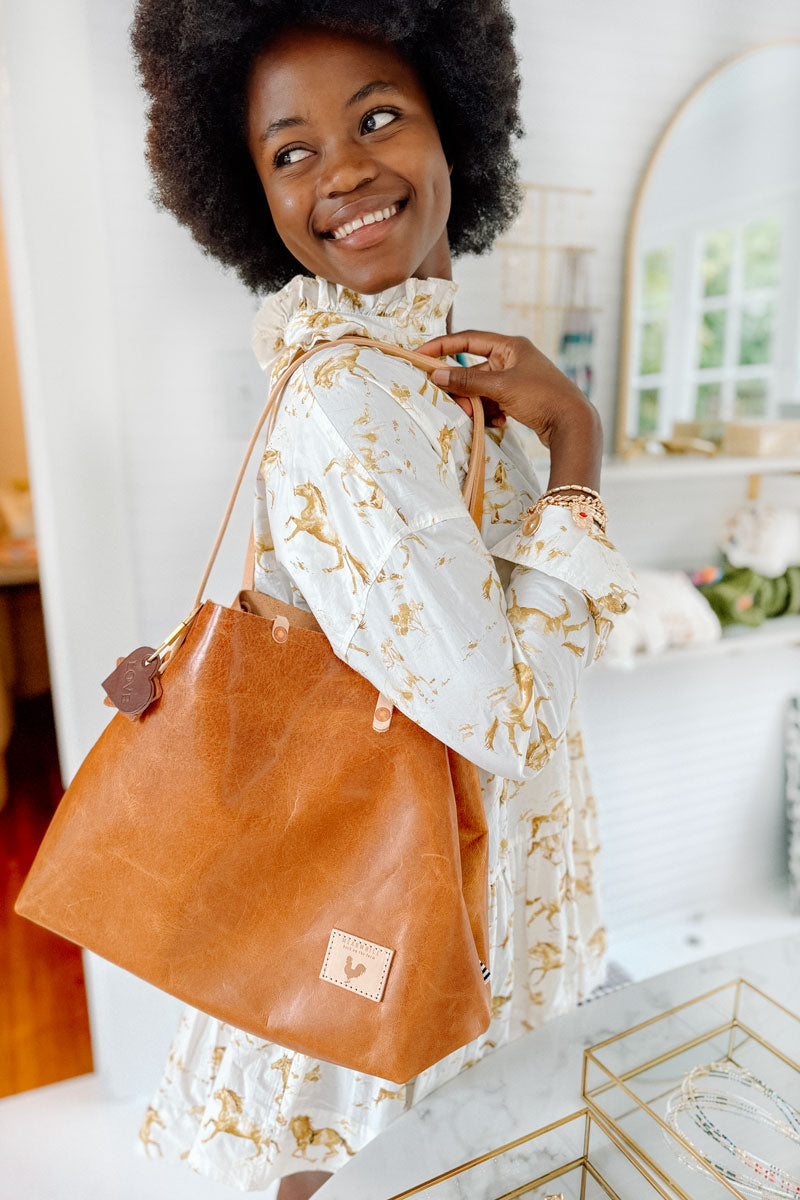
(139, 387)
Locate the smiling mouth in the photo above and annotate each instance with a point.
(365, 233)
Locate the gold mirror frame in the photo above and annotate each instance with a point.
(624, 443)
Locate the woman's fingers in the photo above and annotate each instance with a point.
(514, 378)
(483, 379)
(469, 381)
(493, 414)
(471, 341)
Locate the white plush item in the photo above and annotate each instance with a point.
(763, 537)
(669, 612)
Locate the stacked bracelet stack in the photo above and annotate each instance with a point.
(725, 1093)
(583, 502)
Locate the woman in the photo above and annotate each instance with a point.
(337, 161)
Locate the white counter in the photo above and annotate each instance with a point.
(537, 1078)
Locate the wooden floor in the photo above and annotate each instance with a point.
(44, 1027)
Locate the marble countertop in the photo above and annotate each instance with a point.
(537, 1078)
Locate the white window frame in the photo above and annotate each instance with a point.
(680, 374)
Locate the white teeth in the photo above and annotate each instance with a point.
(367, 219)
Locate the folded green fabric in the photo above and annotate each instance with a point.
(740, 596)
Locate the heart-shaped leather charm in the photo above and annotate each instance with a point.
(134, 684)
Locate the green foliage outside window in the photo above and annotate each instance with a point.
(648, 411)
(717, 253)
(712, 338)
(755, 343)
(657, 279)
(652, 347)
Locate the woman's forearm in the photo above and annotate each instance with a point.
(576, 450)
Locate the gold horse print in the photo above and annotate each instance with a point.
(305, 1135)
(327, 374)
(230, 1120)
(551, 623)
(515, 706)
(313, 520)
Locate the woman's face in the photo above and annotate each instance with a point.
(340, 129)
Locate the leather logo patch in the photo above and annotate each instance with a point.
(356, 964)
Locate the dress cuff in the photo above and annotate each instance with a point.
(584, 558)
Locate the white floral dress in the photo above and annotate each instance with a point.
(480, 637)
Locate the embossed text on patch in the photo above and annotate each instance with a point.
(355, 964)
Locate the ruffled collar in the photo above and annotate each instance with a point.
(309, 308)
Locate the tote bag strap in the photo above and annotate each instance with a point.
(473, 484)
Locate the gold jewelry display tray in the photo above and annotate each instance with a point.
(576, 1158)
(628, 1078)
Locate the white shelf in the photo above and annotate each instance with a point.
(736, 639)
(682, 466)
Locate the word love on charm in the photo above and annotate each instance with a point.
(134, 684)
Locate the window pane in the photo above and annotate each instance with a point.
(762, 248)
(709, 400)
(717, 250)
(712, 338)
(652, 347)
(751, 398)
(755, 345)
(648, 411)
(657, 279)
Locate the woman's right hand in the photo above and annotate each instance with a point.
(516, 379)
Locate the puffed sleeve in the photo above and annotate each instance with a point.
(368, 519)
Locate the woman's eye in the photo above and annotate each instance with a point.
(381, 112)
(280, 156)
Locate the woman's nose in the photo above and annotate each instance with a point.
(345, 167)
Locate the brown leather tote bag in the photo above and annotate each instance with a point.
(263, 837)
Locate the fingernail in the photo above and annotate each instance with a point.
(440, 375)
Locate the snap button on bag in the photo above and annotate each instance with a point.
(280, 629)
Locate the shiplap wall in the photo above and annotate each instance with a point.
(140, 387)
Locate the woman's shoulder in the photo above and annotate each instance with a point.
(385, 414)
(366, 433)
(382, 406)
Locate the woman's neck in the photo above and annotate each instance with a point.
(437, 264)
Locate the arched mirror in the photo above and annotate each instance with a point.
(711, 312)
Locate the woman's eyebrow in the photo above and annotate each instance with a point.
(376, 85)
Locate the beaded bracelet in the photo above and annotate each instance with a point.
(770, 1179)
(572, 487)
(584, 508)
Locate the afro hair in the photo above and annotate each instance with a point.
(194, 60)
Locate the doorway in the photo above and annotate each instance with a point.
(44, 1026)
